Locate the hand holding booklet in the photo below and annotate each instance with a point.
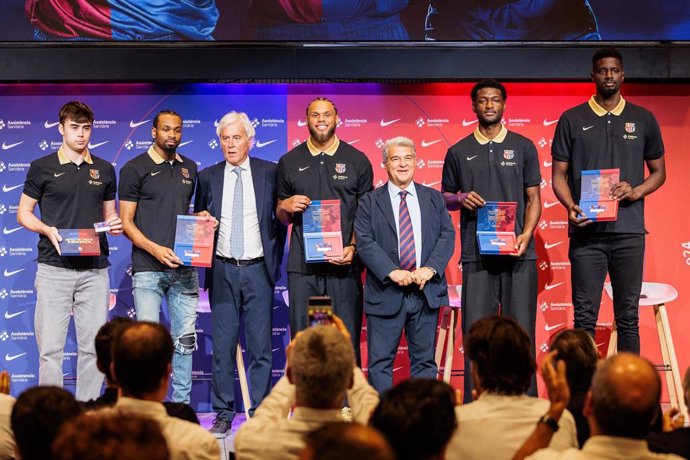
(595, 194)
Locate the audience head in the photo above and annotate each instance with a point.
(417, 417)
(320, 365)
(142, 355)
(36, 418)
(110, 436)
(104, 341)
(624, 399)
(501, 355)
(579, 352)
(344, 441)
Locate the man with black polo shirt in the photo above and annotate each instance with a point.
(73, 190)
(156, 187)
(494, 164)
(608, 132)
(323, 168)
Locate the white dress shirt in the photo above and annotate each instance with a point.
(415, 215)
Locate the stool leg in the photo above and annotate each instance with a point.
(243, 382)
(613, 340)
(450, 345)
(441, 339)
(674, 382)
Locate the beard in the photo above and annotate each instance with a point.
(322, 137)
(607, 93)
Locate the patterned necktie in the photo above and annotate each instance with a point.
(408, 257)
(237, 224)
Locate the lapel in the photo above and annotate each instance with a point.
(217, 179)
(383, 201)
(258, 178)
(425, 205)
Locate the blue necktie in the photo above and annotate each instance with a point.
(237, 224)
(408, 257)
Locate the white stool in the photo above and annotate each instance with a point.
(447, 332)
(657, 295)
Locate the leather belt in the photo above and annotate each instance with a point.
(240, 263)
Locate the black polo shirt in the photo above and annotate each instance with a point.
(498, 170)
(70, 196)
(345, 175)
(162, 191)
(589, 137)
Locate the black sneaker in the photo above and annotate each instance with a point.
(221, 427)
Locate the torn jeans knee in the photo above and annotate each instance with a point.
(186, 343)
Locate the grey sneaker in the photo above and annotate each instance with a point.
(221, 427)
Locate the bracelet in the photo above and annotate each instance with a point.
(549, 421)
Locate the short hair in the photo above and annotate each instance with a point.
(417, 417)
(626, 390)
(322, 362)
(579, 352)
(488, 83)
(502, 354)
(104, 342)
(165, 112)
(321, 99)
(606, 53)
(36, 418)
(240, 118)
(108, 435)
(344, 441)
(400, 141)
(76, 111)
(142, 352)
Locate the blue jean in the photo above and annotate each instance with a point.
(180, 287)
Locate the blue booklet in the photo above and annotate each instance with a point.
(323, 237)
(496, 227)
(194, 240)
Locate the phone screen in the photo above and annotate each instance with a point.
(320, 311)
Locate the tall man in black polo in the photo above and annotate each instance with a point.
(494, 164)
(240, 191)
(155, 187)
(73, 189)
(608, 132)
(323, 168)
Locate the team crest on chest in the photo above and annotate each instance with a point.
(185, 172)
(94, 174)
(508, 154)
(340, 168)
(630, 128)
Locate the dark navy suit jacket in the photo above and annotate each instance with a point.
(377, 246)
(209, 197)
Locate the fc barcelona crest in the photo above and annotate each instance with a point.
(94, 173)
(630, 128)
(508, 154)
(340, 168)
(185, 173)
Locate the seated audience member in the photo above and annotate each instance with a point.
(502, 417)
(417, 417)
(677, 438)
(37, 416)
(621, 407)
(142, 364)
(579, 352)
(108, 436)
(321, 371)
(345, 441)
(6, 403)
(104, 341)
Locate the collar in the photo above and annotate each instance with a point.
(600, 111)
(394, 190)
(159, 159)
(629, 445)
(245, 166)
(305, 414)
(152, 409)
(330, 151)
(64, 159)
(483, 140)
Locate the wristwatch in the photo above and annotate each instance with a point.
(549, 421)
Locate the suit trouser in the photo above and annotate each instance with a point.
(383, 338)
(240, 293)
(499, 284)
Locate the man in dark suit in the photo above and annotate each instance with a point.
(240, 192)
(405, 238)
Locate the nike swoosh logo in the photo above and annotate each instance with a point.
(550, 245)
(548, 205)
(9, 315)
(302, 169)
(93, 146)
(386, 123)
(215, 123)
(5, 188)
(136, 125)
(50, 125)
(548, 287)
(274, 350)
(7, 231)
(185, 143)
(547, 163)
(260, 144)
(549, 122)
(468, 123)
(427, 144)
(9, 357)
(13, 272)
(395, 369)
(585, 128)
(472, 158)
(551, 328)
(431, 184)
(301, 123)
(157, 172)
(9, 146)
(58, 175)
